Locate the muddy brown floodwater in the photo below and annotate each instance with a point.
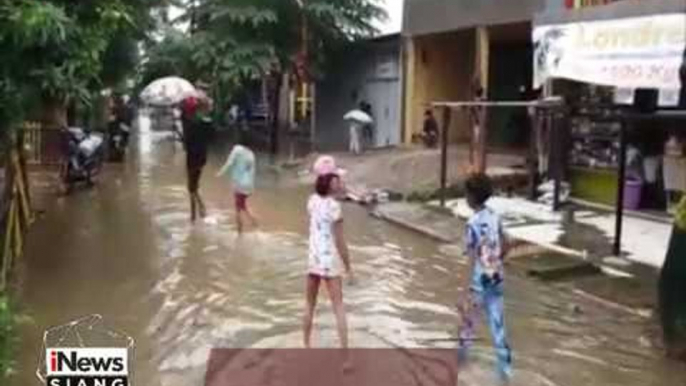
(126, 250)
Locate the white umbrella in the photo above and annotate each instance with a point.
(358, 116)
(168, 91)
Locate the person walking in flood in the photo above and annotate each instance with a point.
(241, 165)
(329, 258)
(355, 146)
(485, 248)
(430, 135)
(357, 119)
(197, 132)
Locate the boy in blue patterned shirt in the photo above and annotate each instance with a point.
(485, 248)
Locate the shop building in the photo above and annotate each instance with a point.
(451, 44)
(609, 61)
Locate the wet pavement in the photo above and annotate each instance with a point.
(127, 250)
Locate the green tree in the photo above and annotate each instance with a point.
(59, 51)
(268, 38)
(172, 55)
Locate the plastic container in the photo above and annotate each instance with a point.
(632, 193)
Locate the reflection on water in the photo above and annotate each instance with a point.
(127, 250)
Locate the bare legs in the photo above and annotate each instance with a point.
(239, 219)
(197, 206)
(251, 217)
(243, 210)
(355, 147)
(334, 287)
(311, 292)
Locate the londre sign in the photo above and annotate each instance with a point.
(629, 53)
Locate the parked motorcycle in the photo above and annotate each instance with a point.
(83, 158)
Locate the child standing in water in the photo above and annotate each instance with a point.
(328, 255)
(241, 164)
(485, 248)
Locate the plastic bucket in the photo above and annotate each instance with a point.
(632, 193)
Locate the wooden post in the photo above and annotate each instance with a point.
(483, 45)
(7, 247)
(482, 57)
(444, 154)
(619, 210)
(292, 106)
(536, 120)
(23, 167)
(558, 156)
(409, 90)
(22, 196)
(274, 116)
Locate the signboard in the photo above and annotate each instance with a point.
(629, 53)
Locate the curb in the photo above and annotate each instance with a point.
(413, 227)
(642, 313)
(520, 244)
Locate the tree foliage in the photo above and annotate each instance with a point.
(278, 25)
(62, 50)
(232, 42)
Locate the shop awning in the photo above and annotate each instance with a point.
(627, 44)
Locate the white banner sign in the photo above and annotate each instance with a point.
(639, 52)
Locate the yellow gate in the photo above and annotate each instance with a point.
(16, 213)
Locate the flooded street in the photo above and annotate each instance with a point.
(127, 250)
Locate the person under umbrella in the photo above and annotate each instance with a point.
(357, 119)
(197, 131)
(368, 128)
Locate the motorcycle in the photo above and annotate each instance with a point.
(83, 158)
(118, 141)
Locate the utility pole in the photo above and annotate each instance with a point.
(306, 99)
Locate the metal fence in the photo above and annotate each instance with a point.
(42, 146)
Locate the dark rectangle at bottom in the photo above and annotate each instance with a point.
(301, 367)
(87, 381)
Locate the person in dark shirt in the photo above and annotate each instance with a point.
(123, 115)
(430, 129)
(368, 128)
(197, 132)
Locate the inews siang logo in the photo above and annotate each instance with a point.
(87, 367)
(85, 352)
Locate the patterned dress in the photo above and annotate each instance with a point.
(324, 259)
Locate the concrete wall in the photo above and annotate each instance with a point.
(355, 75)
(439, 68)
